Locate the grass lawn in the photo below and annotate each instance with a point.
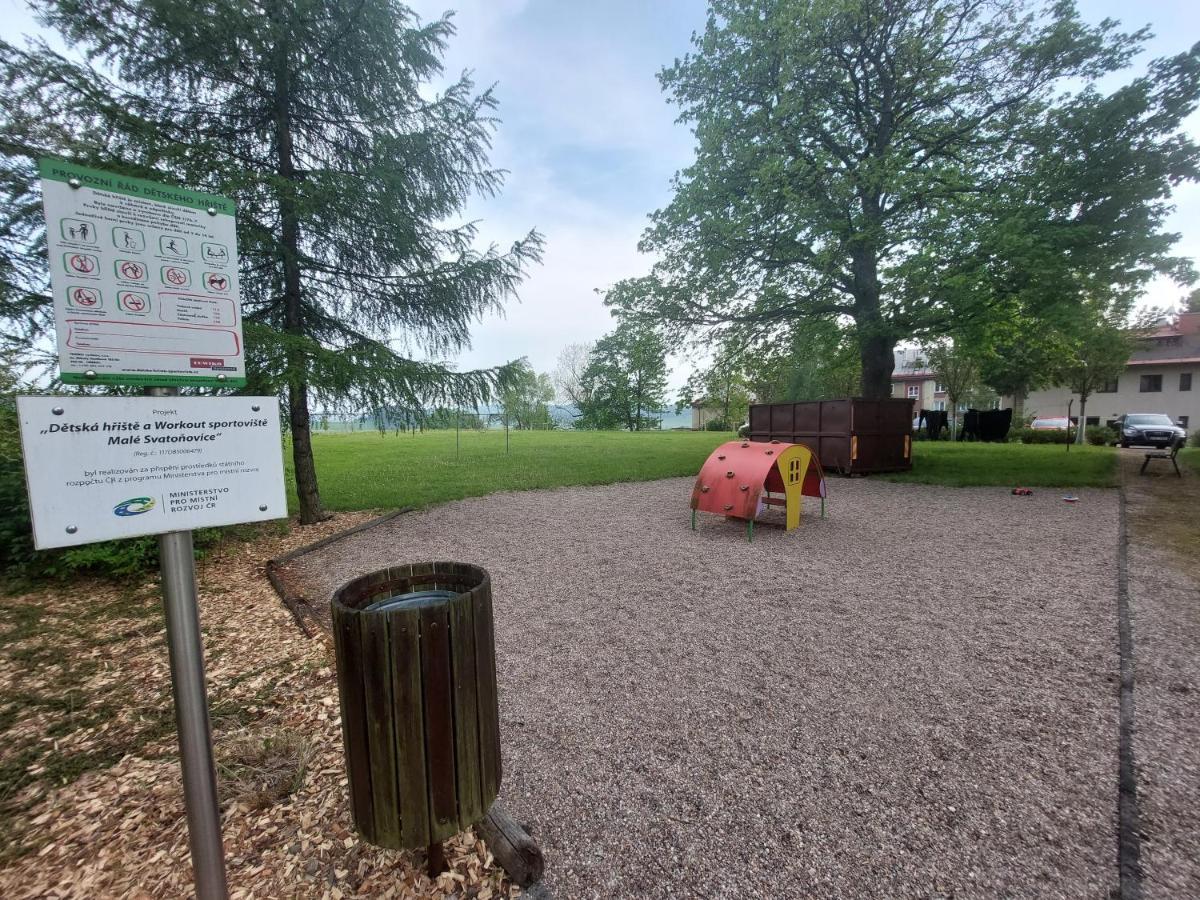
(364, 470)
(1030, 465)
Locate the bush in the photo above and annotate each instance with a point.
(1194, 440)
(1042, 436)
(1099, 435)
(717, 425)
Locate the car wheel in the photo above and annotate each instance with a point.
(1124, 445)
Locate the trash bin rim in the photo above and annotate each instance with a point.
(462, 578)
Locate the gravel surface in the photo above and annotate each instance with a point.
(913, 697)
(1165, 605)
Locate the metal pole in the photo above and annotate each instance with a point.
(1069, 403)
(186, 653)
(457, 429)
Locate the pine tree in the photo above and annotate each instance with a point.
(318, 118)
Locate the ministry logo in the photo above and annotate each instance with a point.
(134, 506)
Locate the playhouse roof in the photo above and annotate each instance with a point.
(736, 473)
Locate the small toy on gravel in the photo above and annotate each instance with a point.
(1022, 492)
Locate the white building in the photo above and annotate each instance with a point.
(1157, 379)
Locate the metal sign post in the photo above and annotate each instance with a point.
(177, 563)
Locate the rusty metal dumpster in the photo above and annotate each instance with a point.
(850, 436)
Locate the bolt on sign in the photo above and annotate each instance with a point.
(145, 280)
(100, 468)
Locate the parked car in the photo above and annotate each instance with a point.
(1148, 430)
(1050, 423)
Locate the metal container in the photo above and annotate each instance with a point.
(416, 665)
(850, 436)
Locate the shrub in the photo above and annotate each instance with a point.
(1042, 436)
(717, 425)
(1194, 440)
(1099, 435)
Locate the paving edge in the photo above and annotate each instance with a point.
(1129, 847)
(298, 605)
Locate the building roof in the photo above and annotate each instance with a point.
(1177, 342)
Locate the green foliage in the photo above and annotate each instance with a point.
(911, 167)
(718, 425)
(816, 360)
(443, 418)
(524, 399)
(1099, 435)
(16, 536)
(1042, 436)
(348, 169)
(625, 381)
(1194, 440)
(721, 386)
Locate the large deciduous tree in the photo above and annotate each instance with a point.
(907, 165)
(626, 380)
(318, 117)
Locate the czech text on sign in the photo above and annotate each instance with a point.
(145, 280)
(100, 468)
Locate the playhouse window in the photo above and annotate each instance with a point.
(793, 471)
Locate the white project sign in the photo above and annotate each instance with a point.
(145, 280)
(100, 468)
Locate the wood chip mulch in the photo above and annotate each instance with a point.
(118, 829)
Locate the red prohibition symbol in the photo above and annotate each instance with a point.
(83, 297)
(218, 282)
(133, 270)
(82, 263)
(134, 303)
(176, 276)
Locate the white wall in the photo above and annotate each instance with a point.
(1129, 398)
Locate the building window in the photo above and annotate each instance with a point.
(1185, 381)
(1183, 420)
(940, 405)
(1151, 384)
(1092, 420)
(1109, 387)
(914, 390)
(939, 388)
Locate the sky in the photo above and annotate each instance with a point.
(590, 144)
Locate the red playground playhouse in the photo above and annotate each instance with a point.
(742, 478)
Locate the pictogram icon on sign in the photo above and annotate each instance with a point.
(175, 276)
(131, 270)
(214, 253)
(129, 239)
(78, 230)
(132, 301)
(215, 281)
(84, 298)
(82, 263)
(170, 245)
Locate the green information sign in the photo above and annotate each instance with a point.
(145, 280)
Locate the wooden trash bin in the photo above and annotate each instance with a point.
(416, 668)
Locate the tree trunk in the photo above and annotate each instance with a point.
(1018, 407)
(1082, 410)
(876, 343)
(302, 455)
(878, 362)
